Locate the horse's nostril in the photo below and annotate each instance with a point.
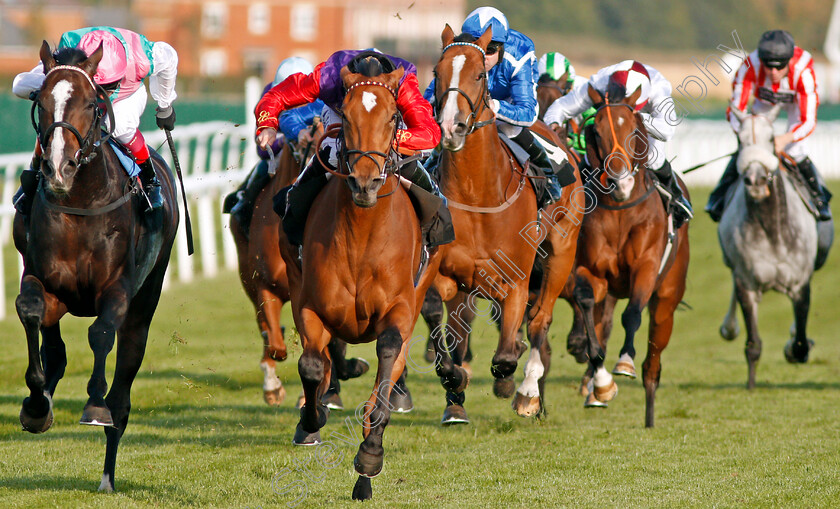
(460, 128)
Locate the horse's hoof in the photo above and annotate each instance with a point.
(468, 369)
(362, 490)
(625, 367)
(606, 393)
(592, 402)
(526, 406)
(300, 401)
(728, 334)
(504, 387)
(454, 414)
(332, 400)
(400, 400)
(96, 416)
(302, 437)
(107, 485)
(36, 424)
(275, 397)
(369, 464)
(791, 357)
(355, 368)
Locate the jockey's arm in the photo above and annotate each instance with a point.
(569, 106)
(421, 132)
(661, 103)
(296, 90)
(27, 82)
(743, 86)
(429, 94)
(162, 81)
(806, 102)
(523, 108)
(297, 120)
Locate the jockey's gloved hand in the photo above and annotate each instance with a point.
(33, 95)
(165, 117)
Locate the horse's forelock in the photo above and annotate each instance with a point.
(616, 92)
(69, 56)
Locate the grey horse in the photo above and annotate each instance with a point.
(770, 241)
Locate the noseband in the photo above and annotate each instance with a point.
(88, 145)
(485, 94)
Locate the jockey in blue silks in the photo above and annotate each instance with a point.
(295, 124)
(512, 80)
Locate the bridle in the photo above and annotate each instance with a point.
(617, 147)
(472, 121)
(390, 164)
(90, 142)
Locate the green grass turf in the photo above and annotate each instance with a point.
(200, 434)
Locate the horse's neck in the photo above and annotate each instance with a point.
(100, 181)
(771, 214)
(478, 171)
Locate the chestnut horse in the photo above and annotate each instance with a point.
(89, 250)
(360, 255)
(627, 249)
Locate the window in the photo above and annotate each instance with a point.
(213, 62)
(304, 22)
(259, 19)
(213, 19)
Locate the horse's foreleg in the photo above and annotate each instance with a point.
(749, 299)
(54, 357)
(432, 313)
(503, 364)
(370, 457)
(729, 328)
(112, 306)
(589, 291)
(659, 333)
(453, 377)
(34, 306)
(797, 348)
(274, 347)
(314, 369)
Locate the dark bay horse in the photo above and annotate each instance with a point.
(627, 250)
(770, 241)
(360, 255)
(89, 250)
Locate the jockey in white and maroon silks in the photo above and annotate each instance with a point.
(777, 73)
(128, 58)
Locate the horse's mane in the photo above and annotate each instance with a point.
(69, 56)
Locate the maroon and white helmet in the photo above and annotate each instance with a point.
(629, 76)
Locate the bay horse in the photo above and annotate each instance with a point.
(262, 273)
(770, 241)
(495, 215)
(359, 258)
(627, 250)
(89, 249)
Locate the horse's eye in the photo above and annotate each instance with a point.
(481, 76)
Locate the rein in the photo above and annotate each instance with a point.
(88, 147)
(616, 144)
(637, 201)
(131, 189)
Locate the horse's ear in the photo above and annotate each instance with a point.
(46, 57)
(485, 38)
(92, 62)
(597, 98)
(347, 77)
(447, 36)
(634, 97)
(734, 110)
(393, 78)
(774, 112)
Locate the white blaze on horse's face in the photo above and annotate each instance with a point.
(450, 110)
(624, 186)
(368, 101)
(61, 94)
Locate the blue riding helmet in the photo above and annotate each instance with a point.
(478, 20)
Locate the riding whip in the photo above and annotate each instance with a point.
(190, 247)
(698, 166)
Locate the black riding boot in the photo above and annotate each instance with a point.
(717, 200)
(417, 174)
(682, 208)
(29, 178)
(819, 193)
(151, 185)
(257, 180)
(552, 171)
(436, 229)
(292, 203)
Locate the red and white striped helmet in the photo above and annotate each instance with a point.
(631, 75)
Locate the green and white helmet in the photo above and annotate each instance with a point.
(556, 65)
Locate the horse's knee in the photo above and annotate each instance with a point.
(101, 335)
(388, 345)
(432, 309)
(311, 369)
(584, 295)
(30, 304)
(631, 318)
